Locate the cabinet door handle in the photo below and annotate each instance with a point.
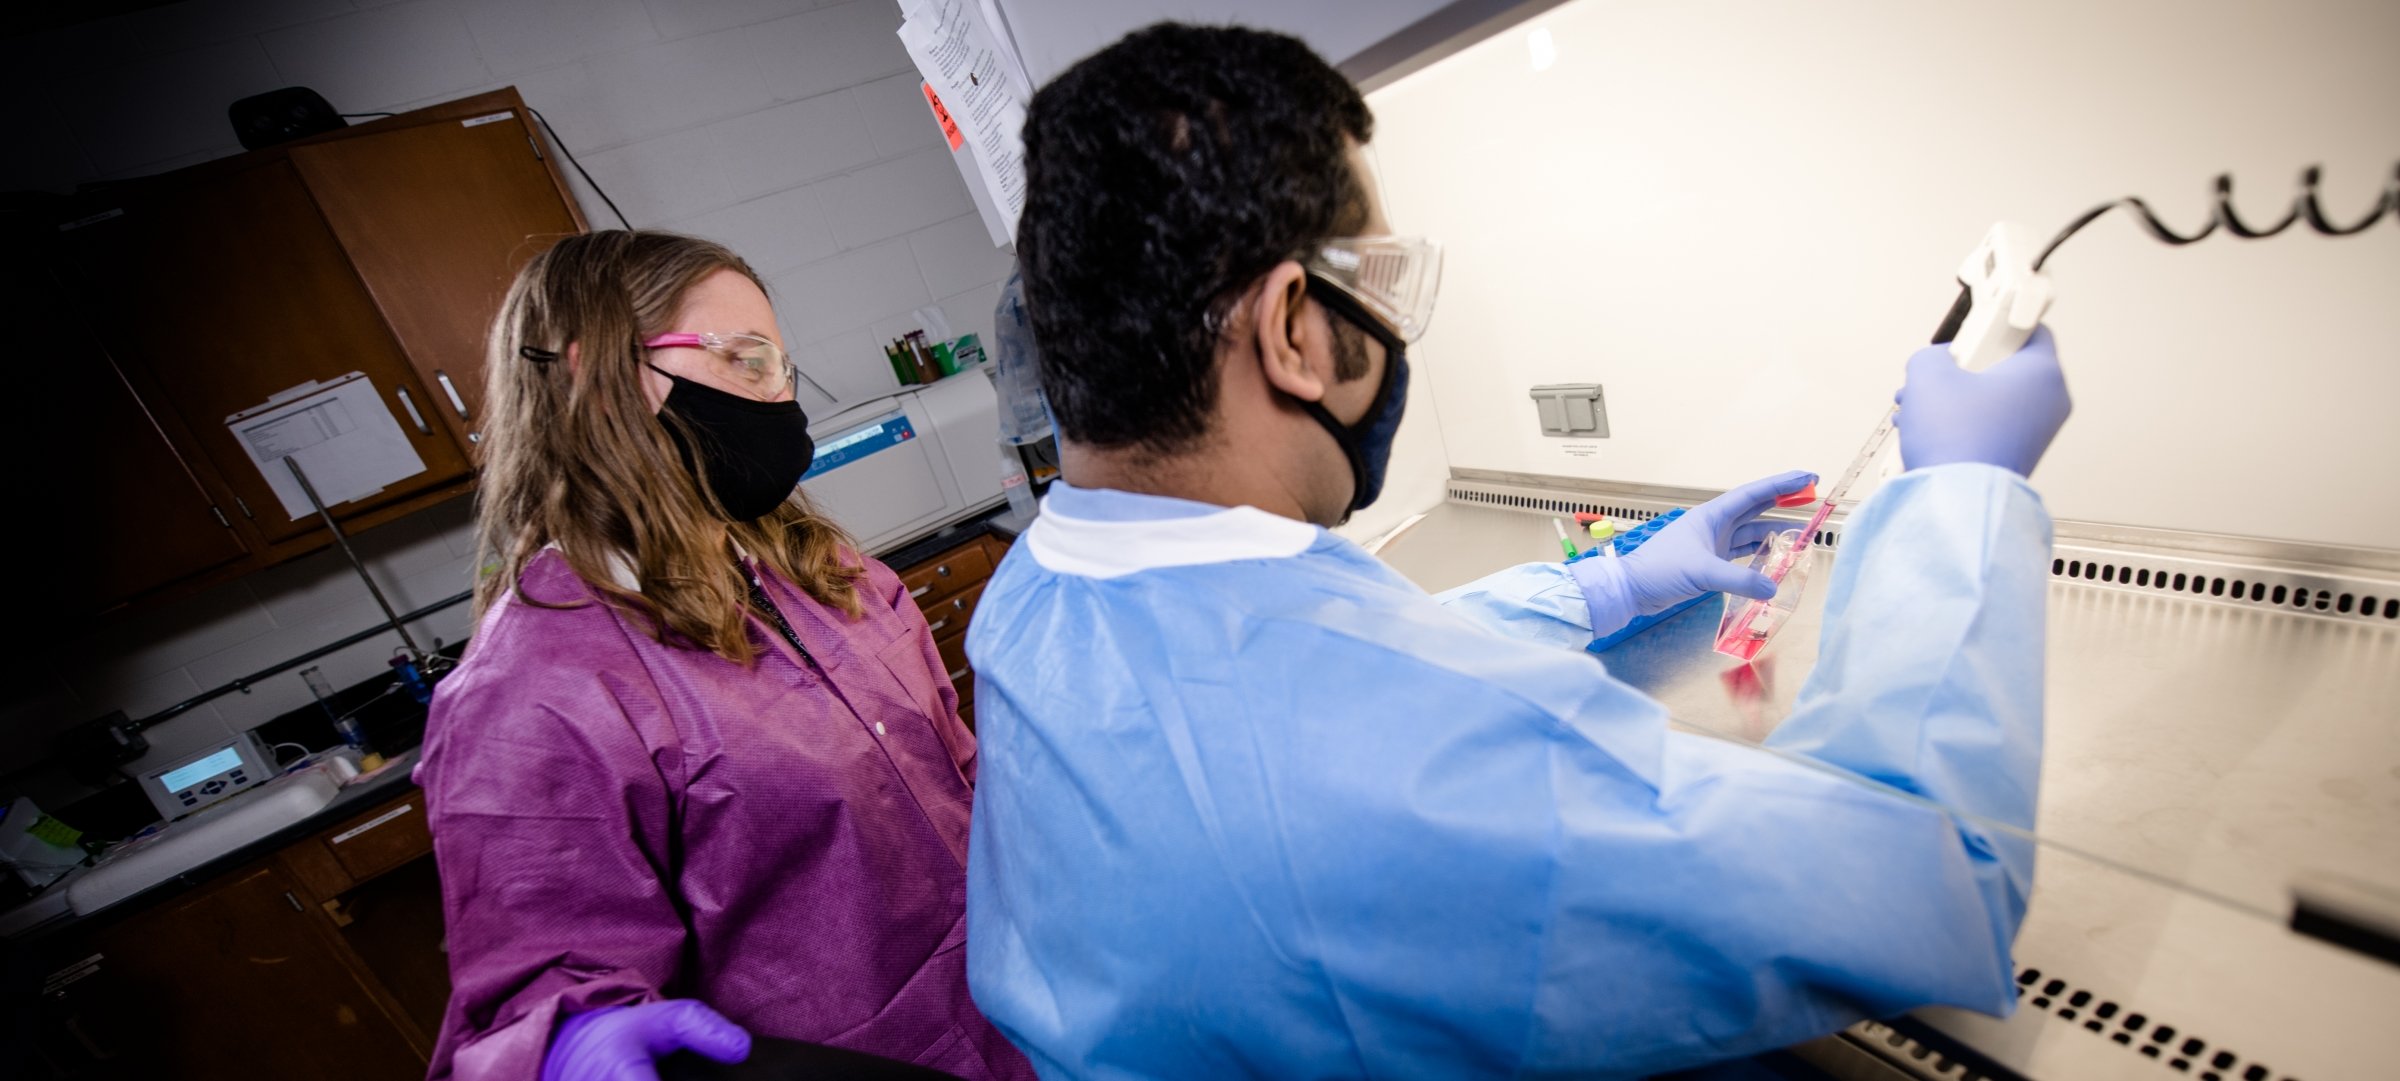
(414, 417)
(958, 675)
(371, 823)
(942, 571)
(295, 902)
(920, 591)
(451, 389)
(936, 627)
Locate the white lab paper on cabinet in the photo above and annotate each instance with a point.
(340, 433)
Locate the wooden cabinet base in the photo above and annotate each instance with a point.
(946, 588)
(324, 959)
(240, 979)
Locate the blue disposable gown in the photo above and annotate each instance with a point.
(1254, 805)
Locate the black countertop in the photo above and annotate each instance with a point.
(998, 522)
(350, 800)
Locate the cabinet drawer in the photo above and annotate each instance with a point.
(942, 618)
(956, 610)
(954, 651)
(381, 839)
(963, 681)
(946, 574)
(949, 615)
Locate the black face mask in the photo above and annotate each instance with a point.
(1367, 444)
(755, 451)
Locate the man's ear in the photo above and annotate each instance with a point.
(1275, 309)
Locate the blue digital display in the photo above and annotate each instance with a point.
(182, 777)
(860, 442)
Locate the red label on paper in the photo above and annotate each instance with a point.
(949, 126)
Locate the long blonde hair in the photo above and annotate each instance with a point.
(575, 457)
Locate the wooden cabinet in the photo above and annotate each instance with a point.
(372, 875)
(324, 959)
(355, 851)
(241, 979)
(80, 408)
(436, 215)
(946, 588)
(383, 250)
(950, 571)
(175, 533)
(229, 290)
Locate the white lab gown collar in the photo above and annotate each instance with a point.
(1067, 538)
(620, 569)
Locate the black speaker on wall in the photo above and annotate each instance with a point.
(280, 116)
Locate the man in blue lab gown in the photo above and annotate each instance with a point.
(1254, 805)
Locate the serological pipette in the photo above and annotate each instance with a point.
(2001, 299)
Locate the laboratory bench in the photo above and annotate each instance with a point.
(2219, 738)
(312, 950)
(317, 953)
(317, 950)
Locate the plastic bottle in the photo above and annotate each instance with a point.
(412, 679)
(1014, 483)
(1015, 371)
(928, 370)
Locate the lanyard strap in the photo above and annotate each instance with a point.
(766, 607)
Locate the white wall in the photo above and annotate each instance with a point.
(1052, 34)
(792, 131)
(1741, 218)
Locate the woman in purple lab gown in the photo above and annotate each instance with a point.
(701, 774)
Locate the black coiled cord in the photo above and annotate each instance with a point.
(2304, 208)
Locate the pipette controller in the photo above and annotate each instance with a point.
(2001, 299)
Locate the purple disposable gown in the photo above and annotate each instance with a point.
(617, 822)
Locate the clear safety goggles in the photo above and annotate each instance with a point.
(753, 363)
(1395, 277)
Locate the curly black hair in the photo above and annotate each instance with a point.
(1164, 174)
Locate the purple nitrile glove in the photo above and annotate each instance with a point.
(624, 1043)
(1687, 558)
(2004, 415)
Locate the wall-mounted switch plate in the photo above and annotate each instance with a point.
(1571, 410)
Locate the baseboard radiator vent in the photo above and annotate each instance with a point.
(1623, 508)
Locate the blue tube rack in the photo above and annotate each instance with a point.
(1625, 542)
